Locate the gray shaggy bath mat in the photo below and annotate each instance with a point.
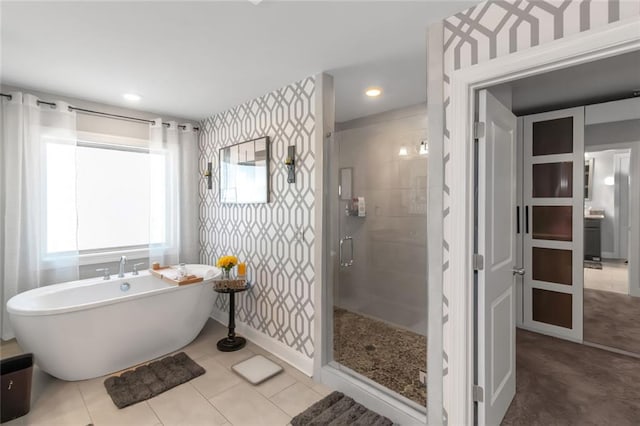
(152, 379)
(337, 409)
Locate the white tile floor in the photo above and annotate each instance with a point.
(614, 276)
(219, 397)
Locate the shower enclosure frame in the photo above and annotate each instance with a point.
(375, 396)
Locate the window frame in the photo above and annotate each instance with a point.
(106, 254)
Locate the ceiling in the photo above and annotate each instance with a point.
(195, 59)
(604, 80)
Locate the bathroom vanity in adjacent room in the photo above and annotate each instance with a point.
(592, 237)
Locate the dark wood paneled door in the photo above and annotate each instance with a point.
(553, 216)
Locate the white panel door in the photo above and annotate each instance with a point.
(497, 244)
(554, 222)
(519, 279)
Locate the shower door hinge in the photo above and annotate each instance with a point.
(478, 130)
(478, 393)
(478, 262)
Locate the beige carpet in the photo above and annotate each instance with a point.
(563, 383)
(385, 354)
(612, 319)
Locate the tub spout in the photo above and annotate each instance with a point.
(123, 261)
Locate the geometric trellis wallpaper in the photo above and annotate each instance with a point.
(496, 28)
(277, 239)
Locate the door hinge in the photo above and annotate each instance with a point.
(478, 130)
(478, 262)
(478, 393)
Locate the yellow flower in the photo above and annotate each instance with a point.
(227, 262)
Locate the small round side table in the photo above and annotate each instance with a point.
(231, 342)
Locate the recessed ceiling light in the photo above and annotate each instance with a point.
(373, 92)
(131, 97)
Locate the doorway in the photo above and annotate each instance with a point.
(573, 214)
(376, 170)
(379, 222)
(610, 301)
(458, 333)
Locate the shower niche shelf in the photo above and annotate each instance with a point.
(355, 208)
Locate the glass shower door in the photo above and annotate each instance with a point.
(379, 225)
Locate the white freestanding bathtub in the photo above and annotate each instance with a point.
(88, 328)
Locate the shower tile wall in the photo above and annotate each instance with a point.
(388, 278)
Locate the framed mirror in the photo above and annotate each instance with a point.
(244, 172)
(588, 177)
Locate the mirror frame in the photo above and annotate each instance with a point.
(267, 172)
(589, 163)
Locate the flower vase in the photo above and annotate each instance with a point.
(226, 274)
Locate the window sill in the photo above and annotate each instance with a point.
(112, 256)
(96, 258)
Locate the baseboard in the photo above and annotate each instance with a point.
(268, 343)
(612, 349)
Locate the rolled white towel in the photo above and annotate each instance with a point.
(212, 273)
(205, 271)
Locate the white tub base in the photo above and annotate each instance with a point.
(73, 336)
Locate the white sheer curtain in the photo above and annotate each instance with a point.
(174, 176)
(27, 259)
(189, 175)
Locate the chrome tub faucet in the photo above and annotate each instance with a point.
(123, 261)
(135, 268)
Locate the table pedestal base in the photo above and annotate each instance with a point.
(230, 344)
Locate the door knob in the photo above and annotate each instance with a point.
(518, 271)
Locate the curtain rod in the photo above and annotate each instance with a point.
(104, 114)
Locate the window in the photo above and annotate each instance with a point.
(102, 197)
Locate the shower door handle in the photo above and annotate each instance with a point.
(342, 262)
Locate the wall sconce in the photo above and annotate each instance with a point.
(208, 175)
(423, 149)
(403, 151)
(290, 162)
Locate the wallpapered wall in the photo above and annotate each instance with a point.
(497, 28)
(275, 239)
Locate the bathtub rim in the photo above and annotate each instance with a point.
(14, 307)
